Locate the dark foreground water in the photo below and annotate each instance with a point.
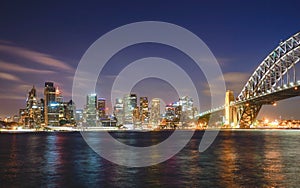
(236, 159)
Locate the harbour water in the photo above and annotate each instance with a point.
(263, 158)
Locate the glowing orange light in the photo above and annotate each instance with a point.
(274, 104)
(296, 88)
(57, 92)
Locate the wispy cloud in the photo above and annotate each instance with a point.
(224, 61)
(10, 77)
(17, 68)
(34, 56)
(12, 97)
(235, 81)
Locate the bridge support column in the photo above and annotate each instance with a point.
(247, 114)
(230, 111)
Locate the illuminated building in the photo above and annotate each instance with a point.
(187, 110)
(136, 115)
(65, 110)
(60, 105)
(33, 110)
(155, 112)
(70, 111)
(119, 110)
(129, 104)
(90, 113)
(50, 105)
(79, 115)
(101, 108)
(144, 110)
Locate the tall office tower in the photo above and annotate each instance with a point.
(170, 114)
(129, 104)
(70, 112)
(79, 116)
(50, 105)
(144, 110)
(119, 110)
(91, 116)
(41, 105)
(61, 107)
(101, 108)
(186, 104)
(136, 115)
(58, 95)
(33, 110)
(155, 112)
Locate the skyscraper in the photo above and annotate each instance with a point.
(186, 104)
(144, 110)
(155, 112)
(33, 110)
(101, 108)
(91, 116)
(129, 104)
(119, 110)
(50, 105)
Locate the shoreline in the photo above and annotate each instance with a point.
(109, 129)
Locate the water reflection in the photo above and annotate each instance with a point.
(272, 162)
(12, 165)
(236, 159)
(228, 162)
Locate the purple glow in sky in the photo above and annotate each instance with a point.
(45, 41)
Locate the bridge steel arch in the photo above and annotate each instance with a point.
(276, 71)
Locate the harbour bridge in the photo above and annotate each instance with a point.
(273, 80)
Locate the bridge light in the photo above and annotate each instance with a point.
(296, 88)
(266, 121)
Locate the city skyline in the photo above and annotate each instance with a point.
(37, 45)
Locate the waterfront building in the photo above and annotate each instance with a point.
(119, 111)
(51, 112)
(155, 112)
(170, 113)
(144, 110)
(129, 104)
(60, 105)
(187, 110)
(30, 116)
(70, 112)
(90, 113)
(78, 115)
(101, 108)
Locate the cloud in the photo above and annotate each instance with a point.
(224, 61)
(12, 97)
(236, 77)
(235, 81)
(10, 77)
(34, 56)
(17, 68)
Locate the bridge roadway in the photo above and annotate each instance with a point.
(267, 98)
(277, 94)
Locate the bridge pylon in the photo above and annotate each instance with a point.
(247, 113)
(230, 110)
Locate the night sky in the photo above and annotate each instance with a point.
(45, 40)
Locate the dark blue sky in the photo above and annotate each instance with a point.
(51, 37)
